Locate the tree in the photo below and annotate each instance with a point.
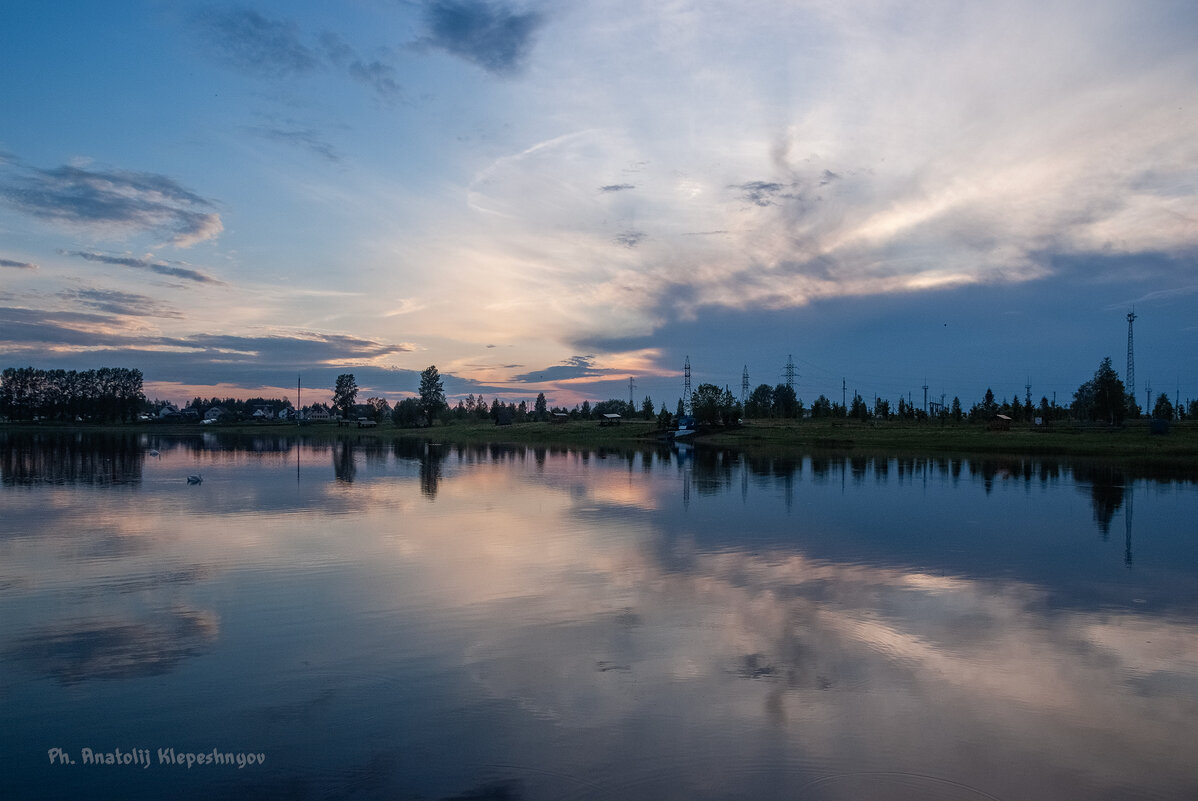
(705, 403)
(407, 413)
(1163, 410)
(786, 403)
(540, 409)
(1103, 397)
(647, 408)
(760, 402)
(345, 392)
(664, 418)
(859, 410)
(585, 411)
(432, 393)
(822, 407)
(379, 408)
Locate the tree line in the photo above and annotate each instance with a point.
(1103, 398)
(105, 394)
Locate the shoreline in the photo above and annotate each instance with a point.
(1132, 443)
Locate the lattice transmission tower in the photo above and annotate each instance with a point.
(1131, 356)
(686, 386)
(790, 371)
(744, 386)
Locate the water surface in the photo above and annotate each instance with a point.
(412, 621)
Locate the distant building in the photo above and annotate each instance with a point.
(999, 422)
(610, 420)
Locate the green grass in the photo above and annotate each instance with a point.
(1132, 443)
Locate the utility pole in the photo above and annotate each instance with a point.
(925, 395)
(686, 386)
(744, 387)
(843, 399)
(299, 405)
(1147, 399)
(631, 386)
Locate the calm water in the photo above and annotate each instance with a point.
(427, 622)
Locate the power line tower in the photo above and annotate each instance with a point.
(686, 386)
(790, 371)
(925, 395)
(1131, 356)
(744, 386)
(1028, 387)
(1147, 399)
(631, 386)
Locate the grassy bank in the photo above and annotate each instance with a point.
(1133, 442)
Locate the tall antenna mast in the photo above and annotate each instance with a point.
(1131, 356)
(686, 386)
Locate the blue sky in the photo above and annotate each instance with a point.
(556, 197)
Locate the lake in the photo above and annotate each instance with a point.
(362, 619)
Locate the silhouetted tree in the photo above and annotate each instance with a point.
(1163, 410)
(345, 392)
(432, 393)
(647, 408)
(786, 403)
(1103, 397)
(760, 402)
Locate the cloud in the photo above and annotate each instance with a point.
(573, 367)
(762, 193)
(250, 42)
(489, 35)
(616, 187)
(114, 202)
(272, 48)
(125, 304)
(18, 265)
(378, 75)
(304, 138)
(162, 268)
(630, 239)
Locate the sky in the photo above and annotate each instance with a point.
(560, 197)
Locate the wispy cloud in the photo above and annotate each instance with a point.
(125, 304)
(160, 267)
(303, 138)
(572, 368)
(52, 329)
(248, 41)
(616, 187)
(113, 202)
(490, 35)
(275, 48)
(18, 265)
